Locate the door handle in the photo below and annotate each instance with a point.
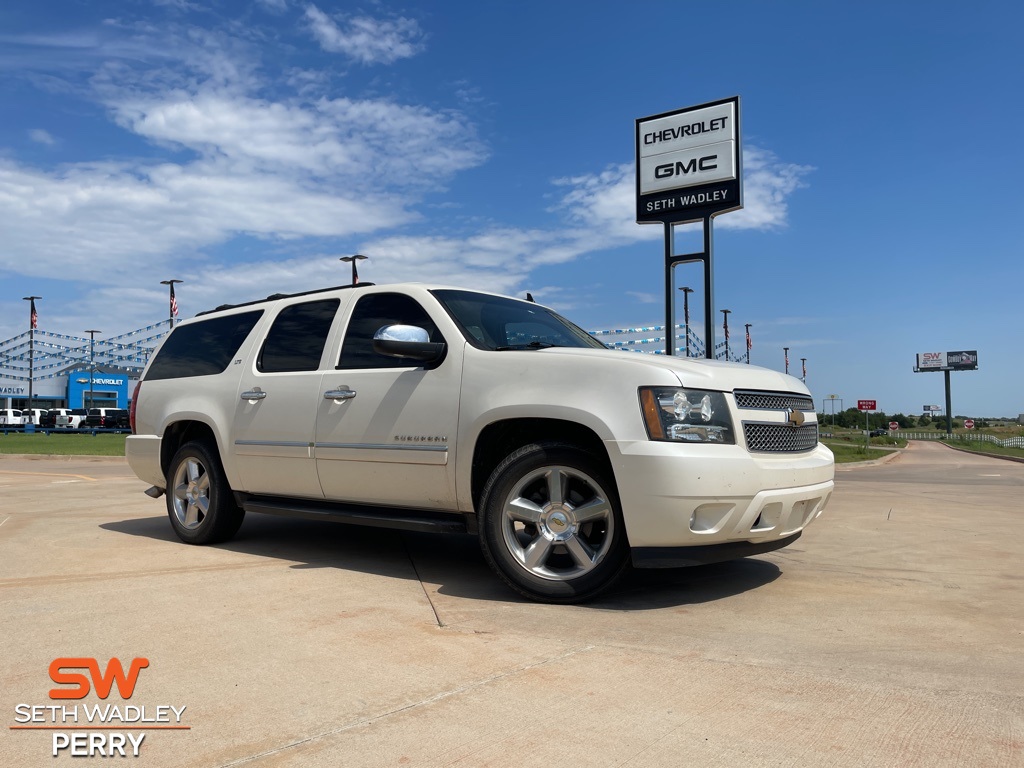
(253, 394)
(339, 394)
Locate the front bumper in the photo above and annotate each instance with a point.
(704, 495)
(685, 557)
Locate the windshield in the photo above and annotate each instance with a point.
(499, 323)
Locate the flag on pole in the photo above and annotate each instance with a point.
(749, 345)
(34, 320)
(787, 360)
(804, 367)
(174, 303)
(355, 273)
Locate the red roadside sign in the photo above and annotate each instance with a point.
(969, 423)
(894, 426)
(866, 405)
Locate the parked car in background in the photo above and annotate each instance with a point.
(879, 433)
(49, 418)
(33, 415)
(71, 418)
(11, 417)
(106, 418)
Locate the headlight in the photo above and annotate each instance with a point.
(686, 415)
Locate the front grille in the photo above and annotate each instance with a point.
(778, 401)
(780, 438)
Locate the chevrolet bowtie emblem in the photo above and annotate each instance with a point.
(795, 418)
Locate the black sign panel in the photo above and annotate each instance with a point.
(962, 361)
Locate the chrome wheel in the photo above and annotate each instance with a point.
(200, 503)
(191, 493)
(557, 523)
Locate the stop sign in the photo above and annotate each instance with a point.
(969, 423)
(894, 425)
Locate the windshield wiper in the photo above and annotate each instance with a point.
(531, 345)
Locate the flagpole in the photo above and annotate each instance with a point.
(725, 322)
(173, 302)
(33, 320)
(747, 326)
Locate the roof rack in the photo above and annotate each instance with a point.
(276, 296)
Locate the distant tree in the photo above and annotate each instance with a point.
(924, 420)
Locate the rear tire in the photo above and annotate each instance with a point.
(551, 524)
(200, 503)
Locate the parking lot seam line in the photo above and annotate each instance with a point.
(47, 474)
(408, 707)
(5, 520)
(423, 586)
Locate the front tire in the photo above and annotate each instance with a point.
(200, 504)
(552, 525)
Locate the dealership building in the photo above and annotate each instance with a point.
(59, 371)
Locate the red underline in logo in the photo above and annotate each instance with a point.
(100, 728)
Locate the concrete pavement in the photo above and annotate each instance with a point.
(889, 635)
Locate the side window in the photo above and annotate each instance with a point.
(203, 348)
(372, 313)
(296, 340)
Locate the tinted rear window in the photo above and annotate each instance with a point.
(203, 348)
(296, 340)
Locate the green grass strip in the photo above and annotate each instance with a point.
(56, 444)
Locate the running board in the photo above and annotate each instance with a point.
(426, 521)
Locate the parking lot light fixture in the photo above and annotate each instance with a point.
(686, 315)
(353, 259)
(92, 362)
(31, 344)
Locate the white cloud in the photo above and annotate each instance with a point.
(606, 201)
(367, 40)
(40, 136)
(767, 185)
(91, 218)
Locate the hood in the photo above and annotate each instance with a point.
(698, 373)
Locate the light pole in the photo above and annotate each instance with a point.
(32, 322)
(786, 350)
(174, 301)
(686, 315)
(92, 362)
(353, 259)
(725, 322)
(747, 326)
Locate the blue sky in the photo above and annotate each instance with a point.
(244, 147)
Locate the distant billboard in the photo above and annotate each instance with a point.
(964, 360)
(930, 408)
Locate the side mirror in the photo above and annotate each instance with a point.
(408, 341)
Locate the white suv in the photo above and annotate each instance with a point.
(440, 409)
(11, 417)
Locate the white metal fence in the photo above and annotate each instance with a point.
(971, 437)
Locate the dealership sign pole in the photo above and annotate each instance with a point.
(963, 360)
(688, 169)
